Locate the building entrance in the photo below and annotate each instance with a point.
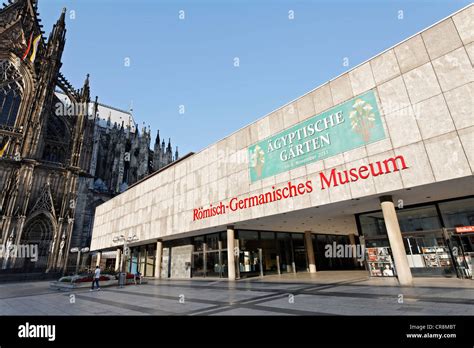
(462, 247)
(433, 236)
(325, 246)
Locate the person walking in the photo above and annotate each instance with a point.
(138, 276)
(95, 278)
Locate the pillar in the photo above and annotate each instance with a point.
(70, 225)
(159, 256)
(310, 251)
(230, 252)
(204, 258)
(354, 248)
(396, 241)
(118, 255)
(98, 257)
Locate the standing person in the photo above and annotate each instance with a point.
(138, 276)
(95, 278)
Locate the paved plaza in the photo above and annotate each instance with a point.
(326, 293)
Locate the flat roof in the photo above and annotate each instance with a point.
(189, 154)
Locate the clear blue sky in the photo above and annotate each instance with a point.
(190, 62)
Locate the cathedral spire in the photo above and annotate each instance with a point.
(62, 17)
(86, 81)
(57, 40)
(157, 140)
(86, 89)
(59, 29)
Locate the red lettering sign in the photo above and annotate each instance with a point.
(465, 229)
(335, 178)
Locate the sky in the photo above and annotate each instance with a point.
(175, 61)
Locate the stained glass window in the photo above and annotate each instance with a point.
(11, 90)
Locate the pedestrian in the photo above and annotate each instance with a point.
(138, 276)
(95, 278)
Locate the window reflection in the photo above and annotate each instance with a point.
(458, 213)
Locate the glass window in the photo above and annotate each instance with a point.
(319, 246)
(297, 236)
(10, 93)
(467, 243)
(249, 262)
(142, 260)
(134, 260)
(419, 219)
(377, 243)
(285, 252)
(458, 213)
(198, 243)
(427, 254)
(248, 235)
(198, 265)
(372, 224)
(224, 264)
(150, 260)
(212, 241)
(224, 239)
(416, 243)
(269, 246)
(267, 235)
(213, 264)
(410, 220)
(299, 251)
(248, 240)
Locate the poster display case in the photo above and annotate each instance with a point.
(380, 262)
(437, 256)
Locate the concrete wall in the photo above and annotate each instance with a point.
(181, 261)
(425, 91)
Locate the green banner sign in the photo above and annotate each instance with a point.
(342, 128)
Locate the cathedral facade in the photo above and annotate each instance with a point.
(121, 156)
(57, 165)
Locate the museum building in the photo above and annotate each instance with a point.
(378, 160)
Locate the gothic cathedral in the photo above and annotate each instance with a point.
(56, 166)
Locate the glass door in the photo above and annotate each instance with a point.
(249, 263)
(299, 248)
(269, 252)
(462, 246)
(214, 267)
(428, 254)
(197, 267)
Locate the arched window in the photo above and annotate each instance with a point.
(11, 91)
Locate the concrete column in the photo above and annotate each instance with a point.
(230, 252)
(310, 251)
(98, 257)
(158, 258)
(219, 243)
(204, 258)
(396, 241)
(118, 255)
(352, 239)
(236, 259)
(354, 246)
